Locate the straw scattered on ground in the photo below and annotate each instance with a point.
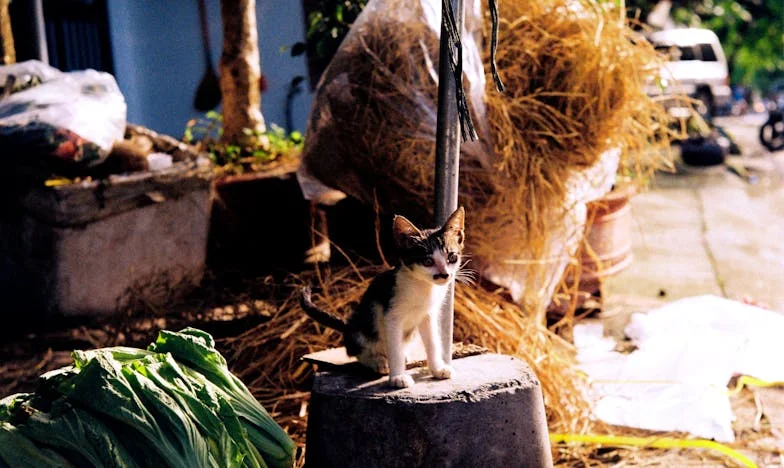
(263, 333)
(267, 357)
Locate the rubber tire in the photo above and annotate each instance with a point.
(771, 135)
(701, 153)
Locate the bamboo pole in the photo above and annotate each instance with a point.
(7, 50)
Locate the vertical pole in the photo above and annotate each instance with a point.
(39, 27)
(447, 161)
(7, 50)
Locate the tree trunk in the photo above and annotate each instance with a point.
(240, 73)
(7, 51)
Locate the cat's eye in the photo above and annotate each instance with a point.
(428, 262)
(452, 257)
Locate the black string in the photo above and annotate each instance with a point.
(499, 85)
(455, 45)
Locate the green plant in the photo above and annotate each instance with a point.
(271, 145)
(174, 404)
(328, 24)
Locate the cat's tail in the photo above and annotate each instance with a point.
(323, 317)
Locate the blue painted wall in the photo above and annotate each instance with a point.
(158, 58)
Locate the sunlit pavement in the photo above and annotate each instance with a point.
(708, 231)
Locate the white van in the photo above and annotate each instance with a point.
(696, 67)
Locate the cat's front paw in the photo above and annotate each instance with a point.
(401, 381)
(443, 372)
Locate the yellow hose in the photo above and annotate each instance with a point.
(654, 442)
(751, 382)
(670, 442)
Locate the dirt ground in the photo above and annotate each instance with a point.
(24, 356)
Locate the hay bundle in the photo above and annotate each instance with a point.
(574, 73)
(267, 357)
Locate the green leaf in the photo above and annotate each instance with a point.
(17, 451)
(128, 407)
(228, 447)
(77, 434)
(180, 430)
(102, 387)
(11, 404)
(196, 349)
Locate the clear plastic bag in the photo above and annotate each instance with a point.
(376, 104)
(74, 117)
(372, 134)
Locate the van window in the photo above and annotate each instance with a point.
(707, 52)
(687, 53)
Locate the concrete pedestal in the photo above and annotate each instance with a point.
(491, 414)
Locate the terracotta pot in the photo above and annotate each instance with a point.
(608, 244)
(606, 251)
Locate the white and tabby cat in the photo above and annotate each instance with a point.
(401, 301)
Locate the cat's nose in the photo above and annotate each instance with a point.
(438, 276)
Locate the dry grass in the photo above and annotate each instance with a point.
(267, 358)
(574, 74)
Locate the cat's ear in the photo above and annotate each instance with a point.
(403, 231)
(455, 225)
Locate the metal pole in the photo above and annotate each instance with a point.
(447, 162)
(39, 27)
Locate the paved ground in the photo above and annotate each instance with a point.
(709, 230)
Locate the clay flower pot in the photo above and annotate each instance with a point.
(605, 252)
(608, 244)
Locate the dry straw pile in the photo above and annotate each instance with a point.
(267, 358)
(574, 73)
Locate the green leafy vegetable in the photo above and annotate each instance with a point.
(18, 451)
(175, 404)
(67, 428)
(197, 349)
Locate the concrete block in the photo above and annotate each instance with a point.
(490, 414)
(88, 269)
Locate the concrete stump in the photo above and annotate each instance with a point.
(491, 414)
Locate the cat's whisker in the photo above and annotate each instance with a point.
(469, 280)
(466, 274)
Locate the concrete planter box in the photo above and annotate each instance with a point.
(80, 249)
(259, 223)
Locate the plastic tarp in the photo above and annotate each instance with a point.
(687, 352)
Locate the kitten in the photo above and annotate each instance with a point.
(401, 301)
